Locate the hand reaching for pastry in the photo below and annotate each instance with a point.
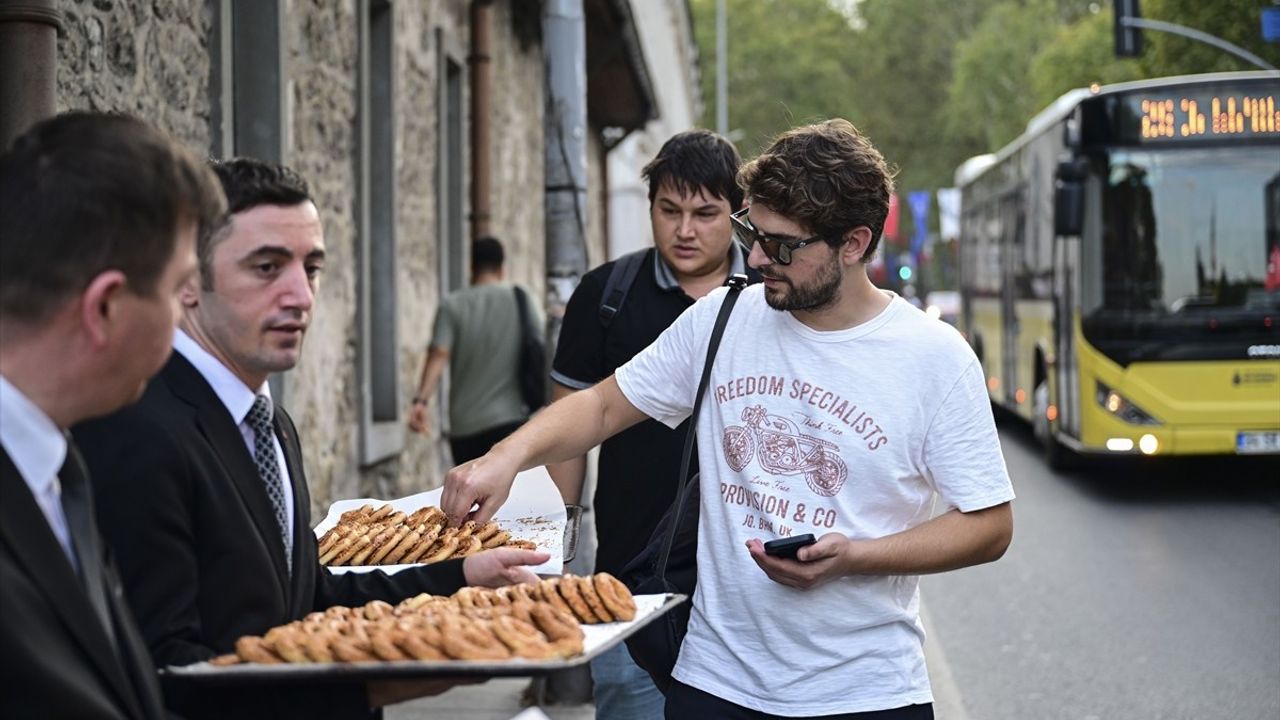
(502, 566)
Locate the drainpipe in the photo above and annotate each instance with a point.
(481, 66)
(28, 64)
(565, 47)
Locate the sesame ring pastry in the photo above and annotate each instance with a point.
(616, 596)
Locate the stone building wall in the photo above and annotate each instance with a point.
(152, 58)
(322, 392)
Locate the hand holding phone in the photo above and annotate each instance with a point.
(787, 547)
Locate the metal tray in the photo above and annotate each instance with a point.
(598, 639)
(572, 524)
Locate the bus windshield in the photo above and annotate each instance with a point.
(1190, 254)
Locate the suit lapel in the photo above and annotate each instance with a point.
(287, 434)
(25, 531)
(229, 448)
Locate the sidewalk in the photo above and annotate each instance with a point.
(498, 699)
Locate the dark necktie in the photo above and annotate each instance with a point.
(77, 504)
(264, 456)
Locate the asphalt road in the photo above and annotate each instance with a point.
(1130, 592)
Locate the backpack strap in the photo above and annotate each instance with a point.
(621, 277)
(736, 283)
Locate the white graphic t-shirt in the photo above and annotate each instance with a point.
(854, 431)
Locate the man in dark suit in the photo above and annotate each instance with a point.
(209, 509)
(100, 216)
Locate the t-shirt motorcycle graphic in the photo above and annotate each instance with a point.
(783, 450)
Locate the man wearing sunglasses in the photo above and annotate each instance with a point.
(836, 409)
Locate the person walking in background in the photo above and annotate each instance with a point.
(100, 216)
(617, 310)
(477, 336)
(205, 494)
(834, 408)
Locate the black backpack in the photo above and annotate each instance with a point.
(532, 370)
(621, 278)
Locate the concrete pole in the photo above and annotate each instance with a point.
(565, 49)
(722, 69)
(481, 60)
(28, 64)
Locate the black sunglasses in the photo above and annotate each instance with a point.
(775, 248)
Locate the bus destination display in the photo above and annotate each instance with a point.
(1202, 115)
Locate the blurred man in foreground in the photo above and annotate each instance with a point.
(99, 216)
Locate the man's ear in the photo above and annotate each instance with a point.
(100, 305)
(856, 243)
(189, 294)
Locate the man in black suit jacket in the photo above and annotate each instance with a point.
(99, 216)
(210, 546)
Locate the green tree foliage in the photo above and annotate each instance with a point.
(1236, 21)
(1082, 53)
(988, 99)
(906, 53)
(934, 82)
(1079, 54)
(790, 62)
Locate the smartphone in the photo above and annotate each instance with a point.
(787, 547)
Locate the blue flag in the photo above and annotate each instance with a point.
(919, 201)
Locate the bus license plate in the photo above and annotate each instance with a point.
(1248, 443)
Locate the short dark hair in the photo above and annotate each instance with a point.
(696, 160)
(826, 176)
(248, 183)
(486, 254)
(83, 193)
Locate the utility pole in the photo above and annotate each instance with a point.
(722, 69)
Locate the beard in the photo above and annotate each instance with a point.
(818, 293)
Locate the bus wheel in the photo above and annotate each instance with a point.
(1055, 454)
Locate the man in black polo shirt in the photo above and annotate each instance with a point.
(692, 191)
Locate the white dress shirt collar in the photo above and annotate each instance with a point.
(35, 444)
(37, 448)
(231, 390)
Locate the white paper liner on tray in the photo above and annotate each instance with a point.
(534, 511)
(598, 638)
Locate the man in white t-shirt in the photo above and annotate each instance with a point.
(834, 408)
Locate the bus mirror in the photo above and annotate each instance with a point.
(1068, 207)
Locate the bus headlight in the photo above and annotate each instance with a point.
(1120, 406)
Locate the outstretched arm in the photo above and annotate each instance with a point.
(948, 542)
(566, 429)
(432, 369)
(569, 475)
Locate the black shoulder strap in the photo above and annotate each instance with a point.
(522, 306)
(621, 277)
(736, 283)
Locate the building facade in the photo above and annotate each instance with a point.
(376, 103)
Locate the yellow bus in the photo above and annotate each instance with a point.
(1120, 268)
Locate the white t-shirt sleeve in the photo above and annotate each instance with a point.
(661, 379)
(962, 454)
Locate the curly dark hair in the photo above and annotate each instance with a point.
(827, 177)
